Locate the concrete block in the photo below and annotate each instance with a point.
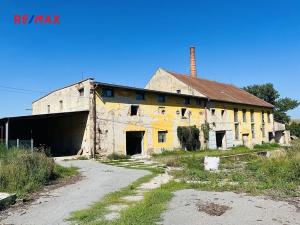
(6, 200)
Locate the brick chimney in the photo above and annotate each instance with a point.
(193, 71)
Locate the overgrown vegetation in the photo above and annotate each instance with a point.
(189, 137)
(22, 171)
(294, 129)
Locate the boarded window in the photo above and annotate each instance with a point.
(107, 92)
(161, 98)
(140, 96)
(134, 110)
(162, 136)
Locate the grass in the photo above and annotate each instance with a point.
(253, 174)
(115, 156)
(23, 172)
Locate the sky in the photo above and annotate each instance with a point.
(125, 41)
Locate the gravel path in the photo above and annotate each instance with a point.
(55, 206)
(237, 208)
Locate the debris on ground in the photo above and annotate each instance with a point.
(213, 209)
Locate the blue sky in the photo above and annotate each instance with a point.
(124, 42)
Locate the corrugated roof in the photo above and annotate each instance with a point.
(220, 91)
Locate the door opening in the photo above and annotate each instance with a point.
(245, 139)
(220, 139)
(134, 140)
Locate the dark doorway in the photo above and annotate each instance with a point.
(134, 141)
(220, 139)
(271, 136)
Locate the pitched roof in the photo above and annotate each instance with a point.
(220, 91)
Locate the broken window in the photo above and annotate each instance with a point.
(183, 111)
(161, 98)
(253, 130)
(244, 116)
(81, 92)
(162, 136)
(140, 96)
(178, 91)
(134, 110)
(107, 92)
(61, 105)
(187, 101)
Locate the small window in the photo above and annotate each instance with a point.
(178, 91)
(269, 117)
(134, 110)
(236, 131)
(244, 115)
(162, 110)
(187, 101)
(263, 117)
(81, 92)
(61, 105)
(140, 96)
(183, 111)
(48, 108)
(107, 92)
(253, 130)
(213, 112)
(161, 98)
(162, 136)
(222, 112)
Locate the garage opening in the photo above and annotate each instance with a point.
(134, 142)
(220, 139)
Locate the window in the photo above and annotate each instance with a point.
(162, 110)
(107, 92)
(198, 101)
(269, 117)
(61, 105)
(263, 117)
(162, 136)
(48, 108)
(183, 111)
(187, 101)
(236, 119)
(222, 112)
(140, 96)
(236, 130)
(213, 112)
(81, 92)
(161, 98)
(263, 132)
(252, 115)
(134, 110)
(253, 130)
(244, 115)
(178, 91)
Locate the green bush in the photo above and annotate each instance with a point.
(189, 137)
(22, 171)
(266, 146)
(115, 156)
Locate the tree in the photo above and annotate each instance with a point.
(295, 129)
(268, 93)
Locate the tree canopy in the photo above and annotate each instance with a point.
(268, 93)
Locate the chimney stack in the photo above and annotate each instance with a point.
(193, 71)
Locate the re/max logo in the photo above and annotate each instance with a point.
(33, 19)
